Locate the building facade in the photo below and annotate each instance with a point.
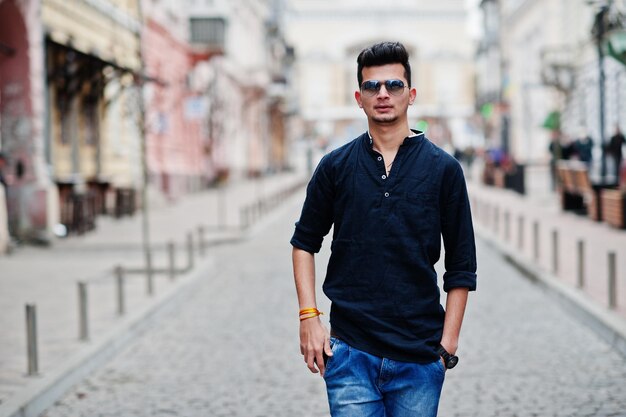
(547, 69)
(94, 120)
(245, 82)
(30, 207)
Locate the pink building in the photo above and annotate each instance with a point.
(175, 115)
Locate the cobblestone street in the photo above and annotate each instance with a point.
(232, 348)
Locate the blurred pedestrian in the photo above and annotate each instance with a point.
(390, 195)
(556, 154)
(614, 149)
(583, 147)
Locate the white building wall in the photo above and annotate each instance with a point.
(242, 79)
(328, 35)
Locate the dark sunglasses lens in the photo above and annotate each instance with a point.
(394, 86)
(371, 87)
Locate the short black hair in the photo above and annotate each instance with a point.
(383, 53)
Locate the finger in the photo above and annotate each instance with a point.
(310, 363)
(319, 360)
(327, 349)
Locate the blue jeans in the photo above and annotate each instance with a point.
(363, 385)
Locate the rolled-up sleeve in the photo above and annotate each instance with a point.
(316, 218)
(458, 233)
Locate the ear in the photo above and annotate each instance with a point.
(412, 95)
(357, 97)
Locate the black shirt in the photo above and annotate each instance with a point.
(386, 240)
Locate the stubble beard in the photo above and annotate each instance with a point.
(387, 119)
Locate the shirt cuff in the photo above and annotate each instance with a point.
(459, 279)
(306, 241)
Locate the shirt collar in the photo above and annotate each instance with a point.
(412, 138)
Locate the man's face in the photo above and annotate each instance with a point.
(384, 107)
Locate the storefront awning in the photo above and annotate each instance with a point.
(552, 121)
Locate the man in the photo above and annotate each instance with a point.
(390, 194)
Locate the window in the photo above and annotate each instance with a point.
(209, 30)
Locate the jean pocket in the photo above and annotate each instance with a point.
(441, 366)
(334, 346)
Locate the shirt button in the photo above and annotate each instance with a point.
(380, 158)
(384, 177)
(386, 194)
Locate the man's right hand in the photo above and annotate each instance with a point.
(314, 342)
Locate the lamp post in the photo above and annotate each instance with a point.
(599, 31)
(145, 175)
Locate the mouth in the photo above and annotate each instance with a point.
(383, 108)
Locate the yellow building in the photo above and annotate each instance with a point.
(93, 100)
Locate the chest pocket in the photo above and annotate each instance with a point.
(421, 212)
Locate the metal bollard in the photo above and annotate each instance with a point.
(31, 339)
(221, 208)
(486, 209)
(581, 263)
(171, 255)
(507, 226)
(201, 247)
(83, 325)
(496, 220)
(243, 218)
(121, 302)
(555, 251)
(536, 240)
(190, 260)
(520, 232)
(612, 281)
(482, 212)
(149, 279)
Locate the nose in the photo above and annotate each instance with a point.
(382, 92)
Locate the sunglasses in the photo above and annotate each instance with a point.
(372, 87)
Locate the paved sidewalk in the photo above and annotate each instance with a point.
(48, 277)
(544, 241)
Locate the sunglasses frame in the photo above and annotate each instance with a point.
(391, 89)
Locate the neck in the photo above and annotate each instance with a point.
(388, 138)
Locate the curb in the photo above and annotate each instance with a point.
(605, 323)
